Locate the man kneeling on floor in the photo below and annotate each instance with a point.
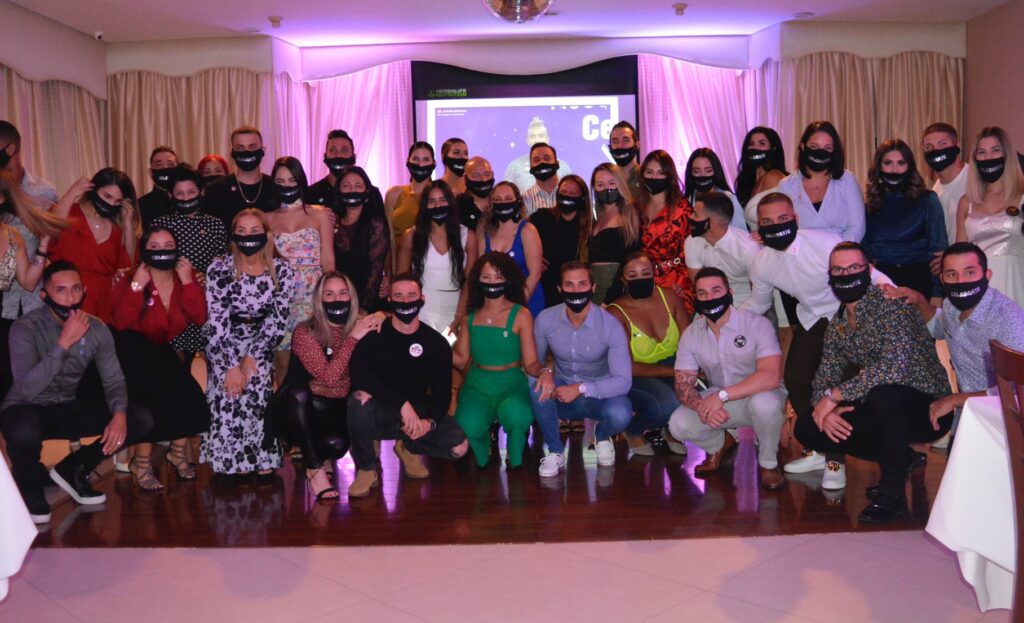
(739, 352)
(878, 413)
(402, 388)
(51, 348)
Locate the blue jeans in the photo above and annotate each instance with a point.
(654, 400)
(612, 415)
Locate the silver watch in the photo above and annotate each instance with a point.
(723, 396)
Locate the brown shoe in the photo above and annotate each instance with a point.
(365, 481)
(412, 464)
(772, 479)
(714, 461)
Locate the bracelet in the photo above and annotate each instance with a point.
(543, 370)
(136, 286)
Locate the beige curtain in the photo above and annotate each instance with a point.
(193, 114)
(62, 127)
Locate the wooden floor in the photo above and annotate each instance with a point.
(640, 498)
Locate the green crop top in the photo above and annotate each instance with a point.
(494, 346)
(643, 347)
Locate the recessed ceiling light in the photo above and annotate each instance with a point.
(680, 8)
(275, 21)
(803, 15)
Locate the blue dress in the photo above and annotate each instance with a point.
(518, 255)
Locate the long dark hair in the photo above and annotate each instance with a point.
(775, 161)
(584, 216)
(110, 176)
(674, 194)
(452, 229)
(295, 168)
(877, 190)
(492, 220)
(689, 187)
(373, 210)
(838, 165)
(515, 282)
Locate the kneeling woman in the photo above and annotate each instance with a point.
(497, 344)
(149, 310)
(311, 400)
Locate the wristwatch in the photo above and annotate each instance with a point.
(723, 396)
(582, 389)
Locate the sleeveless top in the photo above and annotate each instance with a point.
(494, 346)
(518, 255)
(997, 234)
(8, 263)
(437, 267)
(406, 208)
(643, 346)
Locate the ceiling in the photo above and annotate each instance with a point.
(350, 22)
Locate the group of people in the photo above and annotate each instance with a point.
(651, 302)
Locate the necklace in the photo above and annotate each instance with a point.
(259, 189)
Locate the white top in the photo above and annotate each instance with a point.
(751, 209)
(800, 271)
(734, 254)
(732, 356)
(536, 198)
(437, 268)
(949, 196)
(842, 209)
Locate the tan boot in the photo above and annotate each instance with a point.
(365, 481)
(412, 464)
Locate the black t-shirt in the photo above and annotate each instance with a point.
(396, 368)
(320, 194)
(469, 214)
(226, 197)
(560, 239)
(153, 205)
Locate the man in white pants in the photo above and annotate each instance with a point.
(740, 355)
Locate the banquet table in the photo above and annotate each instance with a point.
(16, 528)
(973, 510)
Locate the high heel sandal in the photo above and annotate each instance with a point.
(144, 476)
(177, 458)
(328, 493)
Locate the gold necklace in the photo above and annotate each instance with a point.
(259, 189)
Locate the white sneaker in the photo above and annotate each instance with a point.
(809, 461)
(41, 518)
(551, 464)
(834, 476)
(605, 453)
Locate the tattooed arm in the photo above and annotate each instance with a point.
(686, 388)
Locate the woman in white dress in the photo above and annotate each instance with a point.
(761, 169)
(989, 215)
(439, 251)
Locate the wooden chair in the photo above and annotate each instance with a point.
(1009, 369)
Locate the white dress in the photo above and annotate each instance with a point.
(440, 292)
(1000, 237)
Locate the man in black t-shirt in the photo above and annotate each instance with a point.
(401, 389)
(339, 153)
(157, 202)
(247, 187)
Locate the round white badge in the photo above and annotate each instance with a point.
(415, 350)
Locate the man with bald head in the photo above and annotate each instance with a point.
(476, 200)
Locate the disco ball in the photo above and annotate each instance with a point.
(518, 11)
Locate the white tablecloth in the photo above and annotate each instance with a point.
(16, 528)
(973, 511)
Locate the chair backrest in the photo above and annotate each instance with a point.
(1009, 368)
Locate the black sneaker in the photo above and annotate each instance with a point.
(884, 507)
(38, 510)
(73, 477)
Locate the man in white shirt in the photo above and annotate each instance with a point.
(942, 153)
(544, 168)
(796, 261)
(714, 243)
(740, 355)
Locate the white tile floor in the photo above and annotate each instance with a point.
(878, 577)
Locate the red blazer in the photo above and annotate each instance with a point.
(144, 312)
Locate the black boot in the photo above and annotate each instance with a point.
(884, 507)
(72, 475)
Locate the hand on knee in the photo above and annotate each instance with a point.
(460, 450)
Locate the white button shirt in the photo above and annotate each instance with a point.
(800, 271)
(732, 356)
(949, 196)
(842, 209)
(535, 198)
(734, 254)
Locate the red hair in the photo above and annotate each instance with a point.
(211, 158)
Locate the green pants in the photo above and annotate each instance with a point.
(489, 395)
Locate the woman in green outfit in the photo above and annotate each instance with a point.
(496, 345)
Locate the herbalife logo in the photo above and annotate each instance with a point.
(440, 93)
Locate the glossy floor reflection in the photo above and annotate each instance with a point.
(640, 498)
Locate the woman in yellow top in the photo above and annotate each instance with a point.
(653, 318)
(402, 203)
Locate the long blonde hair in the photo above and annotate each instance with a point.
(267, 253)
(630, 218)
(318, 323)
(39, 222)
(1012, 179)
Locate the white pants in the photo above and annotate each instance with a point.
(765, 412)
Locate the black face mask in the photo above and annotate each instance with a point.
(656, 185)
(608, 196)
(964, 296)
(337, 165)
(816, 160)
(493, 290)
(940, 159)
(893, 181)
(288, 194)
(104, 209)
(455, 165)
(420, 173)
(624, 156)
(713, 309)
(4, 156)
(640, 288)
(352, 200)
(699, 228)
(577, 301)
(161, 178)
(160, 259)
(337, 312)
(506, 210)
(248, 160)
(992, 169)
(250, 245)
(757, 157)
(206, 180)
(567, 204)
(850, 288)
(63, 311)
(406, 312)
(438, 215)
(480, 188)
(778, 236)
(703, 183)
(544, 171)
(187, 206)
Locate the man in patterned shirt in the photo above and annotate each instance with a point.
(880, 411)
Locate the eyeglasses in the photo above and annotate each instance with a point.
(848, 270)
